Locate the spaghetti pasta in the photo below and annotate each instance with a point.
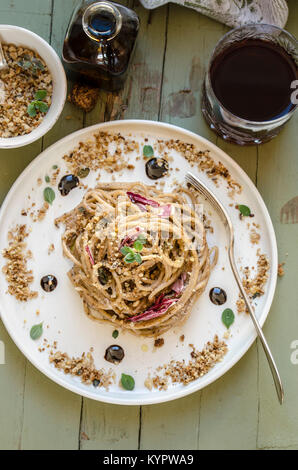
(140, 256)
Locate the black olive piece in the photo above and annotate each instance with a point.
(156, 168)
(96, 382)
(48, 282)
(217, 295)
(114, 354)
(103, 275)
(67, 183)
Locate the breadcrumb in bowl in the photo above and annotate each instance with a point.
(21, 37)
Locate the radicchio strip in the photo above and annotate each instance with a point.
(141, 200)
(159, 308)
(178, 285)
(90, 255)
(130, 239)
(166, 211)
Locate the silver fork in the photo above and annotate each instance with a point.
(228, 224)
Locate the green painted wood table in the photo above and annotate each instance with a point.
(240, 410)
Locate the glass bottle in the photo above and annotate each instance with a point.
(99, 43)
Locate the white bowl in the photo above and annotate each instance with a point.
(24, 37)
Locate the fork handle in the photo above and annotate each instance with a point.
(272, 364)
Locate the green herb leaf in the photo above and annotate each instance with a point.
(49, 195)
(37, 64)
(36, 331)
(40, 95)
(31, 109)
(138, 246)
(83, 172)
(127, 382)
(47, 179)
(138, 258)
(129, 258)
(41, 106)
(55, 167)
(30, 65)
(228, 317)
(115, 334)
(25, 64)
(244, 210)
(148, 151)
(125, 250)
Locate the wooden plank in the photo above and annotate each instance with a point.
(32, 14)
(44, 401)
(143, 87)
(202, 419)
(35, 7)
(184, 68)
(172, 425)
(229, 408)
(278, 164)
(230, 403)
(176, 424)
(110, 426)
(187, 65)
(71, 118)
(277, 181)
(51, 414)
(12, 379)
(107, 426)
(13, 373)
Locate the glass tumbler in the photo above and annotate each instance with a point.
(222, 120)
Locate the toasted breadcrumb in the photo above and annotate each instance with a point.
(200, 363)
(84, 367)
(40, 214)
(204, 162)
(16, 272)
(280, 270)
(84, 96)
(254, 287)
(20, 86)
(254, 237)
(51, 248)
(159, 342)
(148, 383)
(104, 151)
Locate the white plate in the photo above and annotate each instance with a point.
(62, 309)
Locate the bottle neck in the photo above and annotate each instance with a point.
(102, 21)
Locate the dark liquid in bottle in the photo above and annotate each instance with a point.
(104, 23)
(102, 62)
(252, 79)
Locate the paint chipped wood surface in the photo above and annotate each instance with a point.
(240, 410)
